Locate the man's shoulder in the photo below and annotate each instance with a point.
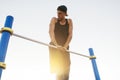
(53, 19)
(69, 20)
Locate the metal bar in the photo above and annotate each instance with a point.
(4, 41)
(23, 37)
(94, 65)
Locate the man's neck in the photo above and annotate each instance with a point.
(62, 20)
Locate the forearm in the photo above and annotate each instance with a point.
(52, 36)
(68, 41)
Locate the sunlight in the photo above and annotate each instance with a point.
(52, 77)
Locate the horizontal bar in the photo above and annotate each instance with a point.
(23, 37)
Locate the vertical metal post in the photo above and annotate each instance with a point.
(4, 41)
(94, 65)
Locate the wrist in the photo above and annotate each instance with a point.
(65, 46)
(54, 42)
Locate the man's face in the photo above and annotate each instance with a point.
(61, 14)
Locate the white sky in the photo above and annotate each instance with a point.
(96, 25)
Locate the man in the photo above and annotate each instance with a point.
(61, 34)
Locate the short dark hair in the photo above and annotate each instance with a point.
(62, 8)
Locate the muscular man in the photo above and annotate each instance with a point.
(61, 34)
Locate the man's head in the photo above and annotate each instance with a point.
(62, 11)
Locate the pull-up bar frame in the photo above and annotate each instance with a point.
(7, 31)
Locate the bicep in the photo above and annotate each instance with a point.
(51, 25)
(70, 27)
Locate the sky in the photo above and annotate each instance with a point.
(95, 25)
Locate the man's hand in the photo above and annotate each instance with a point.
(61, 48)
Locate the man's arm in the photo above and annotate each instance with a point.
(70, 33)
(51, 30)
